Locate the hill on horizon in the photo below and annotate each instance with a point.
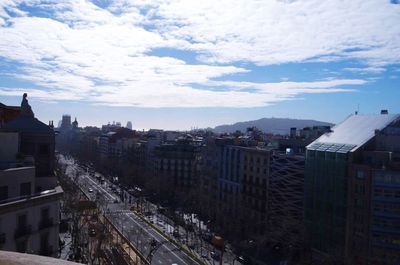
(270, 125)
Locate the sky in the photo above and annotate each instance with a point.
(179, 64)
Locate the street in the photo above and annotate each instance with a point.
(129, 224)
(139, 232)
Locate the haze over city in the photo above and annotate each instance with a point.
(179, 64)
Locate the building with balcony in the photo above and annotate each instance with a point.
(177, 163)
(28, 219)
(255, 180)
(29, 196)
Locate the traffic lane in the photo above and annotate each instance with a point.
(175, 254)
(100, 187)
(140, 239)
(143, 237)
(166, 247)
(164, 253)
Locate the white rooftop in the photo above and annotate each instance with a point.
(355, 131)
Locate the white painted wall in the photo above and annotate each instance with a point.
(13, 177)
(8, 225)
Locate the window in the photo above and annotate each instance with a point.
(44, 213)
(22, 220)
(44, 241)
(3, 193)
(25, 189)
(360, 174)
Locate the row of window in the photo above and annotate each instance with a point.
(326, 155)
(257, 181)
(388, 208)
(257, 169)
(258, 160)
(24, 188)
(391, 239)
(386, 193)
(387, 178)
(386, 223)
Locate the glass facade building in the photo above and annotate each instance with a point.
(326, 199)
(338, 187)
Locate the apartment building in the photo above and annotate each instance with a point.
(29, 195)
(28, 219)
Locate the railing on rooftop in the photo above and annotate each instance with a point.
(27, 197)
(28, 162)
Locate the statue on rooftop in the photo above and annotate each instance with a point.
(26, 109)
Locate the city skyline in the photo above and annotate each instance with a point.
(183, 64)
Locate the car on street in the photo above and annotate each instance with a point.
(90, 190)
(241, 259)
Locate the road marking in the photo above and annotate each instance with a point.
(165, 246)
(112, 197)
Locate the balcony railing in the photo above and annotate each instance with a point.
(23, 231)
(46, 223)
(26, 197)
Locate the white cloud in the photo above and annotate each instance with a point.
(80, 51)
(366, 70)
(270, 32)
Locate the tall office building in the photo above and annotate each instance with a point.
(352, 193)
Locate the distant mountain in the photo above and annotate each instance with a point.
(270, 125)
